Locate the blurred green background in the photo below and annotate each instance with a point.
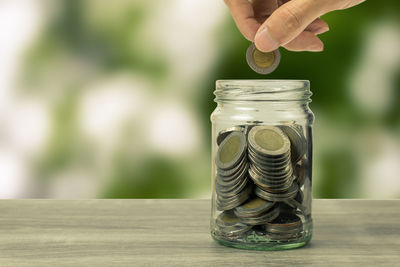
(111, 99)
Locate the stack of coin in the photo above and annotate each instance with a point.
(260, 172)
(285, 226)
(270, 168)
(300, 171)
(298, 143)
(232, 183)
(257, 211)
(229, 225)
(224, 133)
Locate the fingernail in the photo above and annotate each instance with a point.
(316, 48)
(321, 30)
(264, 42)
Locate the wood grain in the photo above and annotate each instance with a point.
(176, 233)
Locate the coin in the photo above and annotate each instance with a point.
(285, 222)
(262, 218)
(281, 196)
(228, 224)
(235, 171)
(298, 141)
(300, 170)
(268, 163)
(273, 174)
(261, 62)
(232, 190)
(224, 133)
(269, 141)
(231, 150)
(253, 207)
(296, 202)
(227, 203)
(285, 226)
(266, 185)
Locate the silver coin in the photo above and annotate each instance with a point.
(253, 207)
(269, 141)
(227, 203)
(300, 171)
(269, 186)
(272, 159)
(260, 62)
(235, 179)
(268, 159)
(231, 150)
(224, 133)
(261, 219)
(228, 224)
(297, 140)
(273, 173)
(258, 179)
(275, 189)
(283, 175)
(232, 173)
(231, 191)
(284, 223)
(277, 164)
(230, 184)
(282, 196)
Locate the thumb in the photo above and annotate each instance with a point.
(288, 21)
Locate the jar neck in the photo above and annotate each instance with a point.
(273, 92)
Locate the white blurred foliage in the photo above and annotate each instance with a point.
(20, 21)
(380, 159)
(184, 32)
(13, 173)
(373, 83)
(24, 123)
(27, 126)
(107, 105)
(372, 88)
(172, 129)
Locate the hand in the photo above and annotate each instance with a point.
(292, 24)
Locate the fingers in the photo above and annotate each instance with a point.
(287, 22)
(243, 14)
(318, 26)
(263, 9)
(293, 25)
(305, 41)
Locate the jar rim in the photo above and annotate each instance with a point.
(262, 90)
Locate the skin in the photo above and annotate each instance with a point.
(293, 24)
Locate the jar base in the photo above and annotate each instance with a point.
(258, 242)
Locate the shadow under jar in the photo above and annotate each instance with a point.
(262, 164)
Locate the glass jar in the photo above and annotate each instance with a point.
(262, 164)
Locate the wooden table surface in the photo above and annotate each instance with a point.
(176, 233)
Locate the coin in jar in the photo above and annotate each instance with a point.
(298, 142)
(253, 207)
(228, 224)
(269, 141)
(268, 216)
(224, 133)
(281, 196)
(231, 150)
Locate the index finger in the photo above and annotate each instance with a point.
(243, 14)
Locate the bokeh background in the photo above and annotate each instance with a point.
(111, 99)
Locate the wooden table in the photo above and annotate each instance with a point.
(176, 233)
